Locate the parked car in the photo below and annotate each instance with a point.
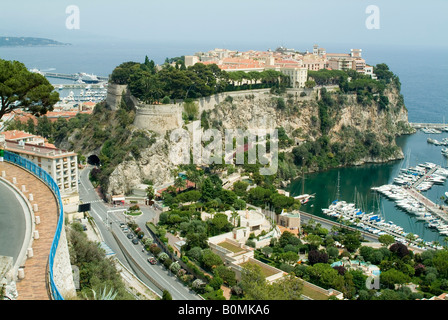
(130, 236)
(135, 241)
(152, 260)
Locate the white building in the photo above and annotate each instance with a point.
(60, 164)
(297, 75)
(191, 60)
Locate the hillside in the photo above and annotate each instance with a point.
(345, 123)
(28, 42)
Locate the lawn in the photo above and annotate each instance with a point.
(313, 293)
(230, 247)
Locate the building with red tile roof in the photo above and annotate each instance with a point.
(62, 165)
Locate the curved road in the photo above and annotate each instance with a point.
(12, 222)
(109, 221)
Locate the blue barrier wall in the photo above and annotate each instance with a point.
(48, 180)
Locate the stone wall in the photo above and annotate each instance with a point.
(114, 95)
(62, 270)
(158, 118)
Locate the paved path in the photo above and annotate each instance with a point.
(34, 285)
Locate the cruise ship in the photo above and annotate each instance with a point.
(88, 78)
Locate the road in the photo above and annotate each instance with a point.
(108, 221)
(328, 224)
(12, 222)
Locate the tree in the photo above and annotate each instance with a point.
(386, 239)
(255, 286)
(210, 259)
(392, 277)
(289, 257)
(310, 84)
(234, 216)
(314, 240)
(440, 262)
(352, 242)
(315, 256)
(150, 192)
(22, 89)
(226, 274)
(166, 295)
(399, 249)
(220, 223)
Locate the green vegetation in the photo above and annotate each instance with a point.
(96, 271)
(28, 42)
(253, 286)
(154, 86)
(22, 89)
(351, 145)
(112, 133)
(56, 132)
(401, 269)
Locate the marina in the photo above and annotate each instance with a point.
(406, 193)
(80, 77)
(421, 185)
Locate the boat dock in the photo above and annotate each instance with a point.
(80, 86)
(73, 77)
(423, 177)
(428, 125)
(440, 211)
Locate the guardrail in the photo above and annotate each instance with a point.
(48, 180)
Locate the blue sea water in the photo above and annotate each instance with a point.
(423, 71)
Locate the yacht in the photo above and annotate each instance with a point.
(88, 78)
(445, 152)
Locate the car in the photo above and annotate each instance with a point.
(130, 236)
(122, 225)
(135, 241)
(152, 260)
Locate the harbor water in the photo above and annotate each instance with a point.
(353, 184)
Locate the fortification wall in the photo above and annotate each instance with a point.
(114, 95)
(166, 117)
(158, 118)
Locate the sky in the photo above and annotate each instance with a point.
(292, 23)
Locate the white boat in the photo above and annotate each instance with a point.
(445, 151)
(88, 78)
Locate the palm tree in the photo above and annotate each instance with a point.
(410, 237)
(234, 215)
(180, 183)
(103, 295)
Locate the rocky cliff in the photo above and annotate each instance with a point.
(347, 120)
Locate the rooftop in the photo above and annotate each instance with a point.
(40, 151)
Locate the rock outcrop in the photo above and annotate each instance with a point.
(298, 114)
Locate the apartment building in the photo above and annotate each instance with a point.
(62, 165)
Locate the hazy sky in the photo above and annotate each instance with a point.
(292, 23)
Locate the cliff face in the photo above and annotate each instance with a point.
(297, 113)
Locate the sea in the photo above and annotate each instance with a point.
(423, 72)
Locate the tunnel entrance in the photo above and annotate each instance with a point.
(93, 160)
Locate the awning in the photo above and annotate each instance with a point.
(118, 198)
